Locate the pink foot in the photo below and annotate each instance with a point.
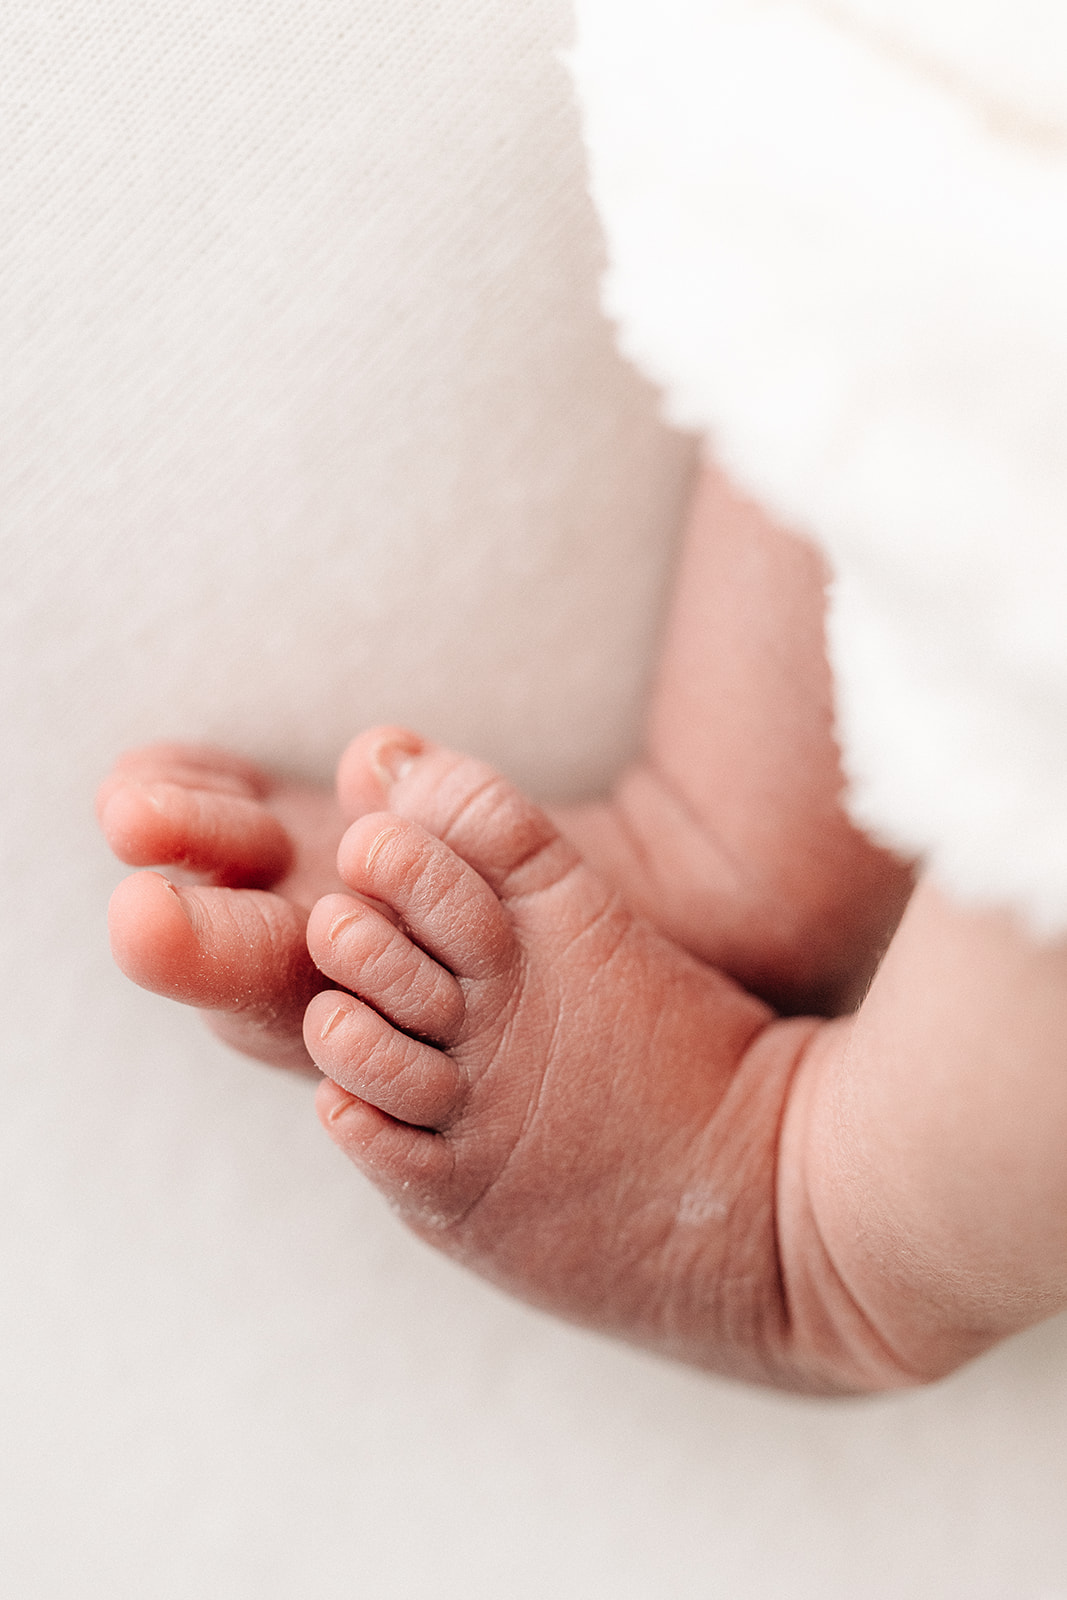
(540, 1083)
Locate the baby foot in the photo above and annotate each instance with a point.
(540, 1083)
(255, 854)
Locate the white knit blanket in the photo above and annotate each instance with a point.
(838, 237)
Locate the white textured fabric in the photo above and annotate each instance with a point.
(298, 321)
(838, 239)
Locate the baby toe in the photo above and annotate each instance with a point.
(238, 953)
(227, 837)
(445, 906)
(411, 1166)
(362, 1052)
(359, 948)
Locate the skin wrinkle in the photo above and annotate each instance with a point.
(780, 1273)
(799, 1151)
(676, 1287)
(762, 1301)
(614, 908)
(399, 984)
(790, 924)
(894, 1361)
(730, 1306)
(412, 874)
(675, 1295)
(382, 1050)
(465, 806)
(533, 1105)
(666, 785)
(379, 1009)
(468, 806)
(534, 854)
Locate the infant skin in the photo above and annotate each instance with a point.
(614, 1058)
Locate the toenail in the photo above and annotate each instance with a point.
(339, 924)
(188, 907)
(341, 1106)
(336, 1016)
(380, 841)
(392, 758)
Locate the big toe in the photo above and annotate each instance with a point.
(371, 765)
(241, 953)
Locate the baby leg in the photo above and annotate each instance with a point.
(730, 832)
